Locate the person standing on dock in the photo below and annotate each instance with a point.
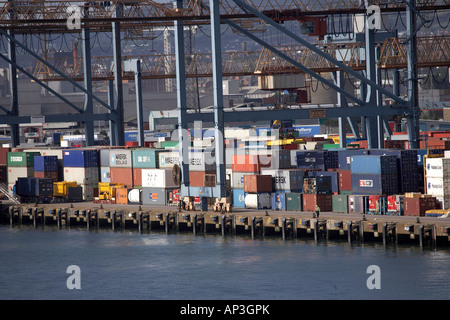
(317, 211)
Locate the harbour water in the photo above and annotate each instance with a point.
(127, 265)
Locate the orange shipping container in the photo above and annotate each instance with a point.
(325, 202)
(122, 196)
(257, 183)
(246, 163)
(122, 175)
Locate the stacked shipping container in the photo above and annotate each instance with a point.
(20, 165)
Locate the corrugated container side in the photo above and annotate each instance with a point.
(334, 183)
(21, 159)
(344, 157)
(340, 203)
(4, 156)
(437, 167)
(122, 196)
(293, 201)
(104, 158)
(324, 201)
(157, 196)
(345, 180)
(137, 177)
(105, 174)
(374, 184)
(19, 172)
(3, 173)
(157, 178)
(287, 179)
(122, 175)
(373, 164)
(279, 201)
(53, 175)
(146, 158)
(258, 200)
(238, 198)
(257, 183)
(79, 158)
(46, 163)
(438, 186)
(82, 175)
(120, 158)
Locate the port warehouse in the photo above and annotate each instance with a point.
(296, 177)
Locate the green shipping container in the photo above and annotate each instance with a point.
(169, 144)
(146, 158)
(293, 202)
(340, 203)
(22, 159)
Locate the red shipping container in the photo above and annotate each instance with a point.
(132, 144)
(257, 183)
(137, 177)
(392, 203)
(324, 201)
(345, 180)
(122, 175)
(197, 178)
(3, 156)
(249, 163)
(47, 174)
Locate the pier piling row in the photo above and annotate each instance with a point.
(255, 224)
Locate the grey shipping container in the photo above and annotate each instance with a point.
(157, 196)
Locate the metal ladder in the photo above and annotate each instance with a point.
(4, 189)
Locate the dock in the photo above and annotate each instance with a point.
(362, 228)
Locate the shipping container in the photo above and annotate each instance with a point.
(146, 158)
(237, 179)
(357, 203)
(120, 158)
(276, 159)
(257, 183)
(19, 172)
(293, 201)
(438, 187)
(80, 158)
(122, 175)
(238, 198)
(344, 157)
(105, 174)
(137, 177)
(377, 205)
(286, 180)
(345, 180)
(122, 196)
(324, 201)
(334, 182)
(75, 193)
(443, 202)
(279, 201)
(258, 200)
(88, 191)
(340, 203)
(21, 159)
(82, 175)
(317, 159)
(4, 156)
(202, 179)
(374, 184)
(104, 158)
(418, 206)
(53, 175)
(377, 164)
(248, 163)
(437, 167)
(158, 178)
(35, 188)
(157, 196)
(46, 163)
(198, 160)
(317, 185)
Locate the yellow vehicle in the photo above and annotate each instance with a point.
(107, 191)
(61, 189)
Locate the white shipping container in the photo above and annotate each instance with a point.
(258, 201)
(19, 172)
(89, 175)
(438, 186)
(120, 158)
(285, 180)
(105, 174)
(88, 191)
(198, 161)
(238, 179)
(437, 167)
(446, 153)
(157, 178)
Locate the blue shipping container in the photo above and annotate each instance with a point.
(46, 163)
(344, 157)
(371, 164)
(80, 158)
(374, 184)
(279, 201)
(332, 174)
(238, 198)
